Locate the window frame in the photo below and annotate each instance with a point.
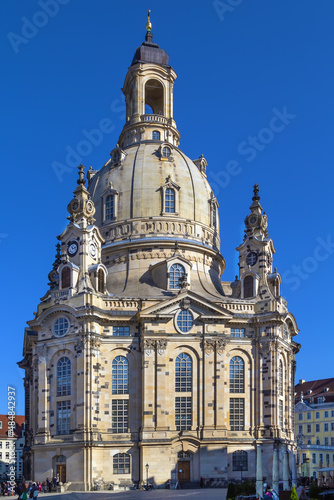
(120, 375)
(237, 375)
(181, 323)
(119, 416)
(64, 379)
(64, 418)
(122, 458)
(104, 197)
(237, 414)
(172, 270)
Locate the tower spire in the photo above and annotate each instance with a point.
(81, 208)
(149, 36)
(257, 221)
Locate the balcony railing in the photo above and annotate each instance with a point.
(154, 118)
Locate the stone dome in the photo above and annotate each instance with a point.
(138, 178)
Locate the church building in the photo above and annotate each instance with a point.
(140, 361)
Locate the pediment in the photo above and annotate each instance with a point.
(203, 307)
(301, 406)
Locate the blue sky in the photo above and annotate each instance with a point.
(254, 94)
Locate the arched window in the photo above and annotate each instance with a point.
(64, 377)
(248, 287)
(110, 207)
(120, 375)
(66, 277)
(318, 442)
(154, 97)
(237, 375)
(183, 373)
(170, 200)
(100, 280)
(156, 135)
(121, 463)
(280, 379)
(240, 460)
(176, 272)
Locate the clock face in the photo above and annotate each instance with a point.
(72, 248)
(251, 259)
(252, 219)
(92, 249)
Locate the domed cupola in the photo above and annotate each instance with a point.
(148, 90)
(150, 196)
(150, 52)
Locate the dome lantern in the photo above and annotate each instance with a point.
(148, 90)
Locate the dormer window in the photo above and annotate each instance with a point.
(176, 272)
(156, 135)
(110, 207)
(166, 152)
(213, 211)
(169, 200)
(117, 157)
(109, 204)
(170, 197)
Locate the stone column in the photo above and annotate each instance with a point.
(285, 471)
(294, 469)
(148, 348)
(43, 393)
(163, 400)
(208, 360)
(275, 470)
(259, 475)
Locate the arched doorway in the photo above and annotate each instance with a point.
(61, 468)
(184, 460)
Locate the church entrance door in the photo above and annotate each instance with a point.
(61, 470)
(183, 471)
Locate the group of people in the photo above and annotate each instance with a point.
(29, 489)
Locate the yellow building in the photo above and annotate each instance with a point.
(140, 361)
(314, 427)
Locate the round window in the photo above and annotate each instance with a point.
(61, 326)
(184, 321)
(166, 152)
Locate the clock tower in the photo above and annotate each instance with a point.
(256, 277)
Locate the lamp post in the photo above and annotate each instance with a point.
(147, 467)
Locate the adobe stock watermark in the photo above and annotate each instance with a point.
(30, 27)
(227, 6)
(91, 138)
(251, 147)
(294, 276)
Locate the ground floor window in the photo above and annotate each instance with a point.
(183, 410)
(119, 418)
(63, 417)
(240, 460)
(121, 463)
(237, 414)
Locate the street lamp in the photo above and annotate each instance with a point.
(147, 467)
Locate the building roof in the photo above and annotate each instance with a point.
(314, 389)
(19, 421)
